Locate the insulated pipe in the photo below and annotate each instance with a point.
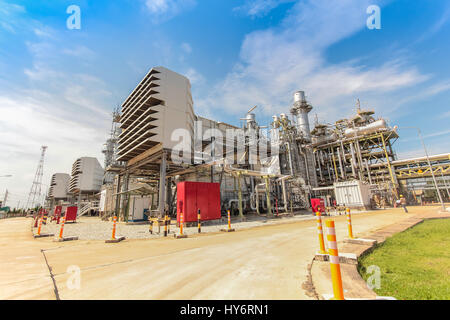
(290, 158)
(269, 206)
(283, 186)
(368, 172)
(353, 161)
(306, 165)
(340, 163)
(241, 211)
(320, 167)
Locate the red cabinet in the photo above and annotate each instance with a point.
(192, 196)
(71, 214)
(317, 204)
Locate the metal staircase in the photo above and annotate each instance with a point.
(87, 207)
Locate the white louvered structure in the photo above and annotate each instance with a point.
(87, 176)
(161, 103)
(59, 186)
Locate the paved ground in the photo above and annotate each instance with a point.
(267, 262)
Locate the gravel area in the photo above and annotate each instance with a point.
(92, 228)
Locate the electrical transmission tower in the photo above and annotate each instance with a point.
(35, 192)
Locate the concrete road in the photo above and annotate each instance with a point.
(269, 262)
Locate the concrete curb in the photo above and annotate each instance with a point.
(65, 239)
(355, 288)
(119, 239)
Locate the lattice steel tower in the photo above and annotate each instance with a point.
(35, 192)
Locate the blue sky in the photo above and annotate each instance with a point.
(58, 86)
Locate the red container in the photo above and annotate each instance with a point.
(317, 204)
(192, 196)
(71, 214)
(57, 213)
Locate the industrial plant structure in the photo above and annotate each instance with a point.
(59, 187)
(162, 143)
(86, 178)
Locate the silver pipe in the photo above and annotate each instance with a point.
(340, 163)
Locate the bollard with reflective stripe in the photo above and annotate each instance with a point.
(349, 222)
(40, 226)
(165, 226)
(199, 221)
(61, 231)
(229, 220)
(336, 278)
(320, 232)
(113, 237)
(181, 223)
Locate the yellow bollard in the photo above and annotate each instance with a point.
(113, 237)
(62, 227)
(336, 278)
(320, 232)
(165, 226)
(349, 222)
(199, 221)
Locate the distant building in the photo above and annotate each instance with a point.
(59, 186)
(87, 176)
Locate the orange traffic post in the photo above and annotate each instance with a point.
(113, 237)
(181, 235)
(181, 223)
(40, 226)
(349, 222)
(336, 278)
(229, 223)
(61, 231)
(320, 232)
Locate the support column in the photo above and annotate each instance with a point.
(283, 186)
(162, 185)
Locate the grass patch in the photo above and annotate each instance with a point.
(415, 264)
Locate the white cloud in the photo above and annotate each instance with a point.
(26, 124)
(162, 10)
(194, 76)
(259, 8)
(79, 52)
(186, 47)
(276, 62)
(10, 16)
